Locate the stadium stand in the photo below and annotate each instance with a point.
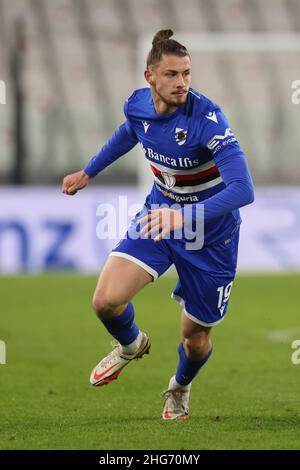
(80, 64)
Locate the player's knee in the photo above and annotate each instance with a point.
(106, 306)
(198, 346)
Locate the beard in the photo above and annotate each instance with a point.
(172, 100)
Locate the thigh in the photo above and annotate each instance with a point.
(121, 279)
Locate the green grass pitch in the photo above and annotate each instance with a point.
(246, 397)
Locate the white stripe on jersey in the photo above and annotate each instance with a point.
(194, 94)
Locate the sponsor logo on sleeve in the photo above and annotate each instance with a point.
(220, 141)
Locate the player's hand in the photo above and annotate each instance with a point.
(163, 221)
(74, 182)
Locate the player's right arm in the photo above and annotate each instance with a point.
(121, 142)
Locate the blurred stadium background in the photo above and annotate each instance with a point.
(68, 66)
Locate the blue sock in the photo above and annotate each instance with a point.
(187, 368)
(123, 327)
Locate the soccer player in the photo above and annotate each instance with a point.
(198, 164)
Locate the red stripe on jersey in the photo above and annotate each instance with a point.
(155, 170)
(193, 176)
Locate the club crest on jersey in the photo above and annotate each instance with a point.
(169, 180)
(180, 136)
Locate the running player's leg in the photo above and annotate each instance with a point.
(194, 351)
(196, 338)
(119, 281)
(133, 263)
(205, 281)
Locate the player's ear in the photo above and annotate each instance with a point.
(148, 76)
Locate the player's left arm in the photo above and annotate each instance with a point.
(218, 138)
(232, 165)
(238, 191)
(226, 152)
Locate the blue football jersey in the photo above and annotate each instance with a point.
(193, 156)
(182, 150)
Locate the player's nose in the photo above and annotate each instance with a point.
(180, 81)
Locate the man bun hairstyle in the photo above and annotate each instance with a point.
(162, 35)
(162, 44)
